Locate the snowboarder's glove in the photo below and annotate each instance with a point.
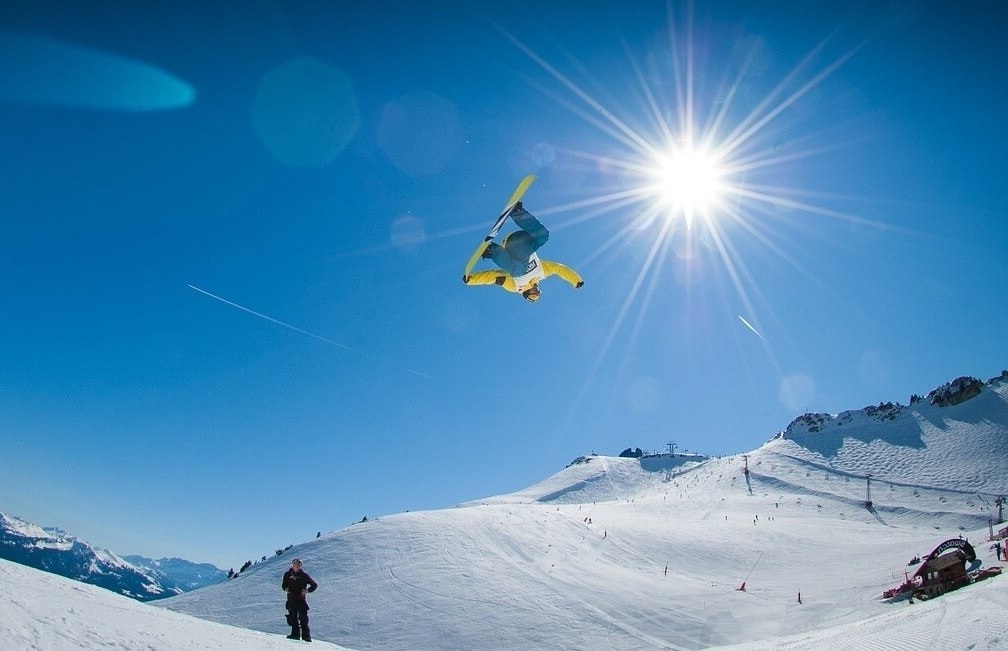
(579, 285)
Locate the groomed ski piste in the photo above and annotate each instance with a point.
(623, 553)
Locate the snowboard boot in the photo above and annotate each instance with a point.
(306, 635)
(295, 635)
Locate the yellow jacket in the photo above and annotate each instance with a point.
(507, 281)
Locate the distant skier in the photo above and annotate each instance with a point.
(296, 583)
(521, 270)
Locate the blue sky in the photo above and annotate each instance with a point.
(331, 167)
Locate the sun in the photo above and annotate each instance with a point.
(699, 167)
(687, 180)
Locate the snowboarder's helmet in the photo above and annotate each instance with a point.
(296, 561)
(532, 294)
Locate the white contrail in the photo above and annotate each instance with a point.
(750, 326)
(304, 332)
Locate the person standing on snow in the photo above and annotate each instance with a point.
(296, 583)
(521, 270)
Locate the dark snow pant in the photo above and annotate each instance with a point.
(297, 617)
(513, 257)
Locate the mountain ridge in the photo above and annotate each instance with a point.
(59, 552)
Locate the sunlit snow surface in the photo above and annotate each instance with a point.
(47, 612)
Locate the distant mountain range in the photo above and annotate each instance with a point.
(177, 572)
(56, 551)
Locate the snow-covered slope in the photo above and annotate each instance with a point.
(600, 479)
(959, 447)
(45, 612)
(630, 553)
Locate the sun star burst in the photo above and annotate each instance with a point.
(688, 181)
(695, 152)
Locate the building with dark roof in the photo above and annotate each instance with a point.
(941, 574)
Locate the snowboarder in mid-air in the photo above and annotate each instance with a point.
(521, 270)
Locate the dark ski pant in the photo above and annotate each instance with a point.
(519, 246)
(297, 617)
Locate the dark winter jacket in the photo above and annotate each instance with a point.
(297, 584)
